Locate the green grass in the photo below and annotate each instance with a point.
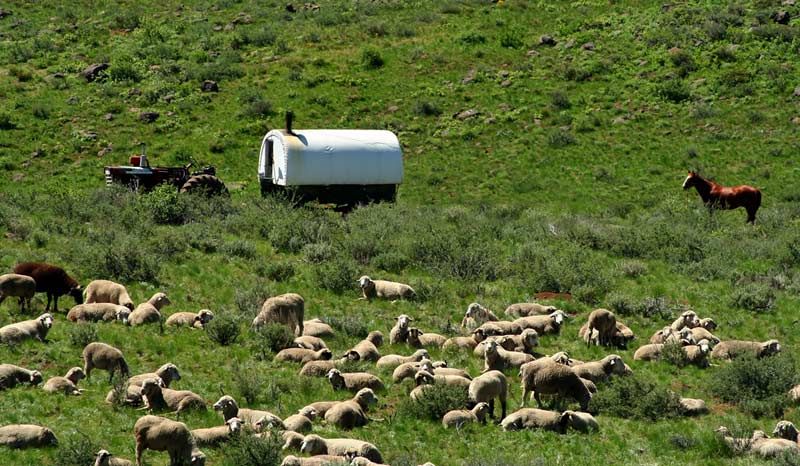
(568, 180)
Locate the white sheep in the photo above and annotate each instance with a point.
(786, 430)
(529, 309)
(227, 405)
(458, 418)
(499, 328)
(399, 332)
(303, 355)
(106, 291)
(99, 312)
(408, 370)
(213, 436)
(424, 377)
(384, 289)
(354, 381)
(390, 361)
(11, 376)
(496, 358)
(162, 434)
(361, 461)
(681, 337)
(688, 319)
(317, 328)
(582, 422)
(697, 354)
(318, 460)
(287, 309)
(605, 323)
(351, 413)
(167, 373)
(68, 384)
(309, 342)
(503, 341)
(105, 458)
(649, 352)
(524, 342)
(660, 337)
(150, 310)
(160, 398)
(701, 333)
(731, 349)
(469, 343)
(418, 339)
(18, 286)
(301, 422)
(533, 418)
(102, 356)
(26, 436)
(190, 319)
(316, 445)
(488, 386)
(476, 315)
(544, 325)
(27, 329)
(771, 447)
(367, 349)
(598, 371)
(321, 368)
(692, 407)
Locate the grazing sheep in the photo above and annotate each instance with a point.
(794, 394)
(458, 418)
(301, 422)
(688, 319)
(18, 286)
(303, 355)
(105, 458)
(701, 333)
(544, 325)
(361, 461)
(399, 332)
(190, 319)
(159, 398)
(99, 312)
(708, 323)
(317, 328)
(291, 440)
(547, 377)
(227, 405)
(532, 418)
(68, 384)
(734, 348)
(287, 309)
(11, 376)
(27, 329)
(149, 311)
(321, 368)
(103, 356)
(391, 361)
(605, 323)
(524, 342)
(318, 460)
(737, 444)
(52, 280)
(417, 339)
(352, 413)
(582, 422)
(488, 386)
(660, 337)
(309, 342)
(622, 336)
(106, 291)
(529, 309)
(162, 434)
(499, 328)
(384, 289)
(692, 407)
(26, 436)
(697, 354)
(213, 436)
(598, 371)
(476, 315)
(649, 352)
(496, 358)
(354, 381)
(367, 350)
(316, 445)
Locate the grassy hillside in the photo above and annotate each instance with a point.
(567, 180)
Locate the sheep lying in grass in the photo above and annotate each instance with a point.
(318, 460)
(371, 289)
(651, 352)
(26, 436)
(622, 336)
(68, 384)
(27, 330)
(309, 342)
(732, 349)
(316, 445)
(409, 369)
(440, 368)
(496, 358)
(529, 309)
(701, 333)
(214, 436)
(544, 325)
(532, 418)
(499, 328)
(399, 332)
(227, 405)
(361, 461)
(470, 342)
(693, 407)
(786, 430)
(758, 443)
(476, 315)
(687, 319)
(681, 337)
(547, 377)
(321, 368)
(660, 337)
(106, 291)
(367, 349)
(167, 373)
(99, 312)
(303, 355)
(697, 354)
(150, 310)
(105, 458)
(317, 328)
(159, 398)
(102, 356)
(526, 342)
(354, 381)
(18, 286)
(604, 323)
(190, 319)
(503, 341)
(426, 378)
(390, 361)
(11, 376)
(301, 422)
(351, 413)
(458, 418)
(162, 434)
(599, 371)
(418, 339)
(487, 387)
(287, 309)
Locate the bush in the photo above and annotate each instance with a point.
(350, 326)
(435, 403)
(674, 90)
(472, 38)
(250, 299)
(756, 297)
(272, 338)
(673, 354)
(121, 258)
(123, 70)
(240, 248)
(338, 275)
(166, 205)
(560, 100)
(256, 105)
(277, 271)
(79, 450)
(224, 329)
(318, 252)
(248, 381)
(6, 122)
(371, 59)
(631, 397)
(391, 261)
(82, 334)
(560, 138)
(633, 269)
(249, 450)
(758, 386)
(426, 108)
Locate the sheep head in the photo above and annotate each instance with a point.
(351, 355)
(439, 364)
(159, 300)
(423, 378)
(481, 410)
(562, 357)
(770, 347)
(169, 372)
(613, 364)
(75, 374)
(708, 324)
(227, 405)
(47, 320)
(36, 378)
(324, 354)
(375, 337)
(530, 338)
(419, 355)
(122, 314)
(308, 412)
(204, 317)
(426, 365)
(365, 397)
(234, 424)
(336, 378)
(491, 346)
(479, 334)
(77, 294)
(558, 317)
(413, 335)
(102, 458)
(786, 430)
(265, 422)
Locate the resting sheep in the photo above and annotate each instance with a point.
(399, 332)
(529, 309)
(354, 381)
(697, 354)
(418, 339)
(160, 398)
(316, 445)
(26, 436)
(599, 371)
(105, 458)
(786, 430)
(408, 370)
(499, 328)
(190, 319)
(318, 460)
(476, 315)
(496, 358)
(604, 322)
(692, 407)
(301, 422)
(150, 310)
(11, 376)
(106, 291)
(317, 328)
(487, 387)
(660, 337)
(426, 378)
(394, 360)
(367, 349)
(681, 337)
(162, 434)
(469, 343)
(309, 342)
(287, 309)
(458, 418)
(701, 333)
(99, 312)
(227, 405)
(544, 325)
(650, 352)
(18, 286)
(734, 348)
(68, 384)
(688, 319)
(351, 413)
(102, 356)
(547, 377)
(213, 436)
(167, 373)
(27, 329)
(532, 418)
(393, 291)
(52, 280)
(524, 342)
(321, 368)
(303, 355)
(622, 336)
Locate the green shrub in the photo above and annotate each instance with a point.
(756, 297)
(472, 38)
(674, 90)
(79, 450)
(435, 403)
(561, 138)
(166, 205)
(426, 108)
(249, 450)
(81, 335)
(338, 275)
(124, 70)
(240, 248)
(224, 329)
(623, 304)
(255, 105)
(271, 338)
(511, 39)
(317, 253)
(673, 354)
(758, 386)
(250, 298)
(6, 122)
(350, 326)
(631, 397)
(633, 268)
(560, 100)
(122, 258)
(277, 271)
(391, 261)
(249, 382)
(371, 59)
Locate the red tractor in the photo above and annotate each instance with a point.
(140, 176)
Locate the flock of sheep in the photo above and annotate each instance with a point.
(508, 348)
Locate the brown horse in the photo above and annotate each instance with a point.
(716, 196)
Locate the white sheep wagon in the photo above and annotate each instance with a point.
(339, 166)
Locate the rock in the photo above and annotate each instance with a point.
(18, 177)
(505, 74)
(789, 2)
(290, 8)
(505, 83)
(37, 153)
(94, 71)
(588, 46)
(537, 121)
(674, 50)
(148, 117)
(209, 86)
(242, 18)
(58, 76)
(108, 116)
(393, 109)
(466, 114)
(471, 74)
(87, 135)
(547, 40)
(781, 17)
(620, 120)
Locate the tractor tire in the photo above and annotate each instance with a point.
(208, 185)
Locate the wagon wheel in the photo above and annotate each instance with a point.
(208, 185)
